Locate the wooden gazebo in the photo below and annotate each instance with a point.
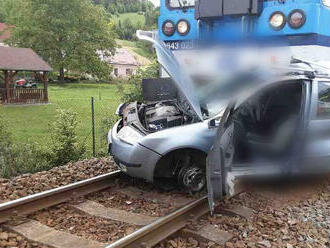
(13, 60)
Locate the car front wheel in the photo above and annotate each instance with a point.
(190, 172)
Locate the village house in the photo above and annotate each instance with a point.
(124, 63)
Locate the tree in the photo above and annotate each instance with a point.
(68, 34)
(6, 9)
(2, 12)
(151, 18)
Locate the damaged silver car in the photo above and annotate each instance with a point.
(166, 141)
(280, 128)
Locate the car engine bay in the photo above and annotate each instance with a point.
(153, 117)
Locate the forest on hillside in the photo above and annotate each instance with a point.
(125, 25)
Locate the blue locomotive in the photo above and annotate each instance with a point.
(182, 23)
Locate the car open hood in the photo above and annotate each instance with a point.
(182, 79)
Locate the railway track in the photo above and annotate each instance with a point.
(33, 203)
(159, 230)
(146, 228)
(148, 235)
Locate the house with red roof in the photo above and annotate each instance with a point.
(123, 62)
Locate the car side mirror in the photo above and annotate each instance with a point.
(214, 123)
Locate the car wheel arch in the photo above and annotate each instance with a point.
(161, 167)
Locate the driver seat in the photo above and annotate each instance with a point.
(278, 143)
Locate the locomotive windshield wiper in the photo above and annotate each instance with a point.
(182, 4)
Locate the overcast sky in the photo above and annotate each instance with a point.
(155, 2)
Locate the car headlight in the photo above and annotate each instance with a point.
(109, 137)
(326, 3)
(277, 20)
(129, 135)
(297, 18)
(119, 110)
(168, 28)
(183, 27)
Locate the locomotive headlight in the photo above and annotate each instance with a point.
(168, 28)
(277, 20)
(296, 19)
(183, 27)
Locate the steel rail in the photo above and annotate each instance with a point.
(162, 228)
(35, 202)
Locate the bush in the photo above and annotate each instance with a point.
(134, 93)
(64, 140)
(7, 153)
(20, 158)
(106, 124)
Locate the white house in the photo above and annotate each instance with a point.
(123, 62)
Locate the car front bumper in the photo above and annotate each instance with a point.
(135, 160)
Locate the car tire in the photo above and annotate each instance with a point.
(190, 172)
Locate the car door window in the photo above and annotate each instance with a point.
(323, 104)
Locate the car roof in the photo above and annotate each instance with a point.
(322, 78)
(273, 81)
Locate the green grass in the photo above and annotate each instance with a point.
(134, 17)
(144, 52)
(32, 123)
(138, 47)
(127, 43)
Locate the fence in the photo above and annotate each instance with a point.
(26, 96)
(95, 117)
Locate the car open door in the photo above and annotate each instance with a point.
(219, 159)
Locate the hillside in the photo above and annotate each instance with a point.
(134, 17)
(141, 53)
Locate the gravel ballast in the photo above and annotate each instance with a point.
(65, 217)
(10, 240)
(28, 184)
(288, 215)
(295, 215)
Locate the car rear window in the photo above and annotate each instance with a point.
(323, 105)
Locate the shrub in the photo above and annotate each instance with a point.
(31, 158)
(19, 158)
(7, 153)
(134, 92)
(106, 124)
(64, 140)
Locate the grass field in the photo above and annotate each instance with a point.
(138, 50)
(32, 123)
(133, 46)
(134, 17)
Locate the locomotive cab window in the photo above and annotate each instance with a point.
(181, 3)
(323, 104)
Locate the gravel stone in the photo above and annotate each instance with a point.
(296, 214)
(65, 217)
(28, 184)
(10, 240)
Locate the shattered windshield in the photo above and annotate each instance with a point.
(205, 97)
(181, 3)
(216, 93)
